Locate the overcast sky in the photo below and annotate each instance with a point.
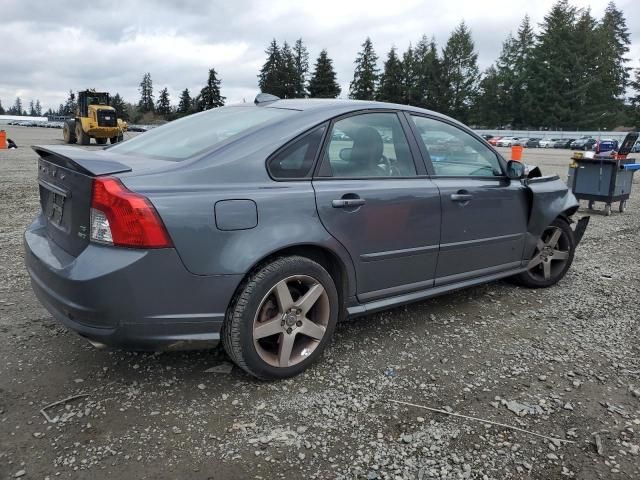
(48, 48)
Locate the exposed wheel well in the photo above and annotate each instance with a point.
(329, 260)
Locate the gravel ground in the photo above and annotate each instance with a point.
(562, 362)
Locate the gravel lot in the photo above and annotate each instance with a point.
(562, 362)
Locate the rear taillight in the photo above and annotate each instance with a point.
(123, 218)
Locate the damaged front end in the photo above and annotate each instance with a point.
(550, 198)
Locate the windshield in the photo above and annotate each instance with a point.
(184, 138)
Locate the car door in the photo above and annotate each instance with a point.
(372, 199)
(484, 214)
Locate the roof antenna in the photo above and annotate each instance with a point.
(265, 98)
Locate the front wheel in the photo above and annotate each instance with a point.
(282, 319)
(552, 257)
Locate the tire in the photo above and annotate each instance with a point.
(68, 132)
(83, 138)
(258, 323)
(101, 141)
(542, 261)
(622, 206)
(116, 139)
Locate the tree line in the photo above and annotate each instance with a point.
(572, 72)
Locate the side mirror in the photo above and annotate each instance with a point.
(515, 169)
(345, 154)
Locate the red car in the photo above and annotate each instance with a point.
(493, 140)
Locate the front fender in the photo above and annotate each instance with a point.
(550, 198)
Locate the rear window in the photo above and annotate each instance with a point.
(184, 138)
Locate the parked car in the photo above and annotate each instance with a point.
(256, 226)
(583, 144)
(563, 143)
(548, 142)
(507, 141)
(636, 147)
(494, 140)
(533, 143)
(606, 145)
(486, 136)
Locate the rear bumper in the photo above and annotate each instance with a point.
(127, 298)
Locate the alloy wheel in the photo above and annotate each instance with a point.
(291, 321)
(551, 255)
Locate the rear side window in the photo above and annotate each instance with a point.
(296, 160)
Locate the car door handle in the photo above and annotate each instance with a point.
(348, 202)
(461, 197)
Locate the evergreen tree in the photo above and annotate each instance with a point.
(185, 105)
(38, 108)
(2, 112)
(17, 107)
(409, 77)
(210, 95)
(32, 109)
(615, 44)
(301, 61)
(70, 106)
(428, 77)
(146, 103)
(488, 108)
(323, 82)
(163, 106)
(120, 107)
(555, 68)
(288, 73)
(635, 99)
(60, 110)
(270, 79)
(390, 87)
(459, 74)
(365, 76)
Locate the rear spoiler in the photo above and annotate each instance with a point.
(87, 162)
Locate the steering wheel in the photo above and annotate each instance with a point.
(389, 168)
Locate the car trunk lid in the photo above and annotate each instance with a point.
(65, 179)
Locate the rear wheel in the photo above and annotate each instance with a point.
(68, 132)
(282, 319)
(83, 138)
(552, 257)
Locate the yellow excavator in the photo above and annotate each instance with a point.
(94, 118)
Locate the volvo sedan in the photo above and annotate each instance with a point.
(260, 226)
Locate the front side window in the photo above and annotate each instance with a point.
(369, 145)
(189, 136)
(454, 152)
(296, 159)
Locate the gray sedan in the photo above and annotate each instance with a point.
(262, 225)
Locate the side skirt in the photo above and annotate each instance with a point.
(383, 304)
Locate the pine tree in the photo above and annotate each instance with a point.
(163, 106)
(210, 95)
(288, 73)
(390, 87)
(70, 106)
(38, 108)
(323, 82)
(616, 43)
(459, 74)
(301, 61)
(426, 91)
(146, 103)
(32, 109)
(555, 67)
(409, 77)
(365, 76)
(2, 112)
(17, 107)
(270, 78)
(635, 99)
(487, 111)
(120, 107)
(185, 105)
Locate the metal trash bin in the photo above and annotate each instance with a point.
(604, 178)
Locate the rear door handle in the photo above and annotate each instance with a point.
(461, 197)
(348, 202)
